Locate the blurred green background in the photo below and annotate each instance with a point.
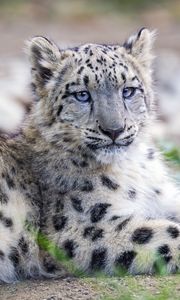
(55, 8)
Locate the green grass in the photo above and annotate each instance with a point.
(137, 287)
(171, 152)
(172, 155)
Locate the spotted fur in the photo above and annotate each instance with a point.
(85, 173)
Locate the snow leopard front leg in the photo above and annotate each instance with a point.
(132, 245)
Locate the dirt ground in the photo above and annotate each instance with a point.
(63, 289)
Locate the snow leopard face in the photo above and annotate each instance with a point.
(95, 97)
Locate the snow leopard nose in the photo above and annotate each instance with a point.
(113, 134)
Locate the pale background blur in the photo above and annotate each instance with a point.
(70, 22)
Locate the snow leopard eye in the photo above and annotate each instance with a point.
(129, 92)
(82, 96)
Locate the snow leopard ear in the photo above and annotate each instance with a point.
(44, 57)
(140, 46)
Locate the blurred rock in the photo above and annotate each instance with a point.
(167, 74)
(14, 94)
